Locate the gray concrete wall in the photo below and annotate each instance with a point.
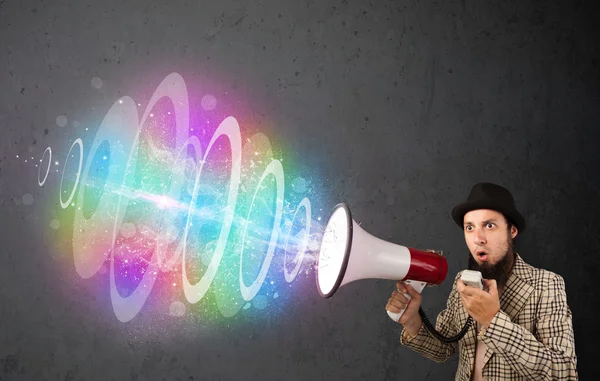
(396, 107)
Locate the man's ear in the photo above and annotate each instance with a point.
(514, 231)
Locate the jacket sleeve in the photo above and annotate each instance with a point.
(427, 345)
(547, 355)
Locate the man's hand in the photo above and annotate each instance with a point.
(481, 305)
(410, 319)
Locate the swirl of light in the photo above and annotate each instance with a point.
(63, 204)
(92, 243)
(119, 128)
(172, 87)
(95, 231)
(290, 276)
(276, 169)
(230, 129)
(49, 150)
(167, 264)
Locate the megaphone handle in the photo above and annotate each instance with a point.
(418, 286)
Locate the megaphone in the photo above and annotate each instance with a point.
(349, 253)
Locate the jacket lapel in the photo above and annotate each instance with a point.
(470, 338)
(516, 293)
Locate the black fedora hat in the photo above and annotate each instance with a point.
(489, 196)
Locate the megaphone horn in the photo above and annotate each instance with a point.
(349, 253)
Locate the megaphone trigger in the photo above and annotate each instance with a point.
(418, 287)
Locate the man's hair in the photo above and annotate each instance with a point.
(509, 223)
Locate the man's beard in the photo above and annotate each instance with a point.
(500, 271)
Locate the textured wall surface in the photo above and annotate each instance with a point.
(400, 106)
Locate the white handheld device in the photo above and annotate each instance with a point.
(472, 278)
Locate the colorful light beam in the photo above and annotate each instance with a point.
(149, 202)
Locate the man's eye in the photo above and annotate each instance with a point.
(490, 225)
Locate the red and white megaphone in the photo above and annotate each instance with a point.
(348, 253)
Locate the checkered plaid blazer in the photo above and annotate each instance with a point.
(530, 338)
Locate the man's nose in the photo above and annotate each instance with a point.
(479, 237)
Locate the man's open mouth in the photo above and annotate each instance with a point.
(482, 255)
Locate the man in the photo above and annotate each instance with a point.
(523, 327)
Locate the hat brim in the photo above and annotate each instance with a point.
(459, 211)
